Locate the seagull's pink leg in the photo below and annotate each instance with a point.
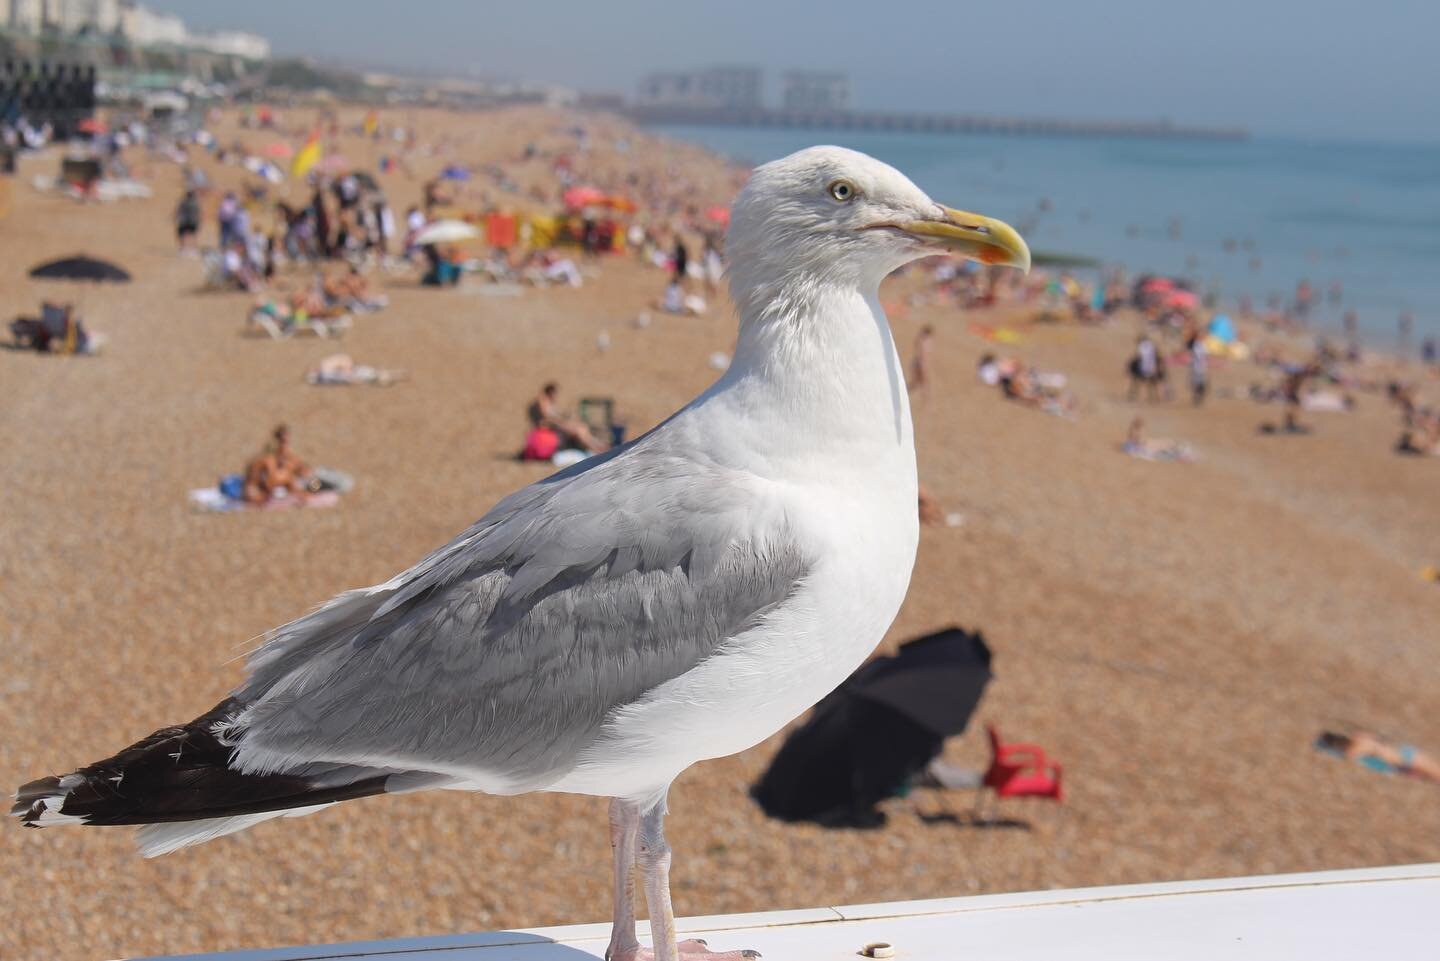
(624, 823)
(652, 853)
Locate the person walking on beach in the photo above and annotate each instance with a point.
(187, 221)
(1145, 369)
(920, 361)
(1199, 369)
(225, 216)
(681, 256)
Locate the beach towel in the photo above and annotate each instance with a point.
(1172, 451)
(212, 500)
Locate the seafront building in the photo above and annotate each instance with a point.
(815, 90)
(712, 88)
(131, 23)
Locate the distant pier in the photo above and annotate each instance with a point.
(926, 123)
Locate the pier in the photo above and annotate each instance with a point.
(887, 122)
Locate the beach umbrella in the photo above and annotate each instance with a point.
(446, 232)
(92, 125)
(721, 215)
(279, 150)
(365, 181)
(81, 268)
(577, 197)
(1181, 300)
(869, 738)
(454, 172)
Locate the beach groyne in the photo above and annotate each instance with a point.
(888, 122)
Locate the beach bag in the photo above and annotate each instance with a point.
(232, 486)
(540, 444)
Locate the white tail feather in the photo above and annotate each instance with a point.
(157, 839)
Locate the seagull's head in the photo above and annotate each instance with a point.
(832, 214)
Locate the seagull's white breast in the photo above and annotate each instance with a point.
(846, 486)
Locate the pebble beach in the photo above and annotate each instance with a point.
(1176, 634)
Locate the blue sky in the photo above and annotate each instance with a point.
(1305, 68)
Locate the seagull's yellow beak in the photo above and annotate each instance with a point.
(971, 235)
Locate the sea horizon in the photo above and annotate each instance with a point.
(1358, 219)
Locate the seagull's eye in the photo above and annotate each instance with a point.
(842, 190)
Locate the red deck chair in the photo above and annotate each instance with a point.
(1018, 770)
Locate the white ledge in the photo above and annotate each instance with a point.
(1324, 916)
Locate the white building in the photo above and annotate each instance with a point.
(233, 43)
(714, 88)
(146, 28)
(84, 16)
(812, 90)
(26, 16)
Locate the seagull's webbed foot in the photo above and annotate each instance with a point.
(694, 949)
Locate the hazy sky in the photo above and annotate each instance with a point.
(1314, 68)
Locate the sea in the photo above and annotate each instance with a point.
(1360, 222)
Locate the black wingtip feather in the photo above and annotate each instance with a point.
(179, 773)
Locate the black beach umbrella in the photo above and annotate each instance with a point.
(365, 181)
(81, 268)
(871, 736)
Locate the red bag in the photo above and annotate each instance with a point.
(541, 444)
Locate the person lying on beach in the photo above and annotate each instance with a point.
(276, 469)
(1136, 444)
(1380, 755)
(1027, 386)
(545, 411)
(341, 369)
(546, 267)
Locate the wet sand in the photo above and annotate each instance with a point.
(1175, 634)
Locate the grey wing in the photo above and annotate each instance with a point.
(505, 651)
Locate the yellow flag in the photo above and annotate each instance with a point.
(308, 157)
(371, 123)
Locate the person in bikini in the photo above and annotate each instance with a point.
(276, 468)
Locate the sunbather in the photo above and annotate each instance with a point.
(1136, 444)
(545, 411)
(1380, 755)
(342, 369)
(276, 469)
(58, 329)
(351, 291)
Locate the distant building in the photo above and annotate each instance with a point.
(715, 88)
(815, 91)
(26, 16)
(84, 16)
(233, 43)
(147, 28)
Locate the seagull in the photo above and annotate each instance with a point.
(678, 598)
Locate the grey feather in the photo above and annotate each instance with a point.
(507, 649)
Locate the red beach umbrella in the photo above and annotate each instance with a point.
(577, 197)
(721, 215)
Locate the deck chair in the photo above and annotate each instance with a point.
(1017, 770)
